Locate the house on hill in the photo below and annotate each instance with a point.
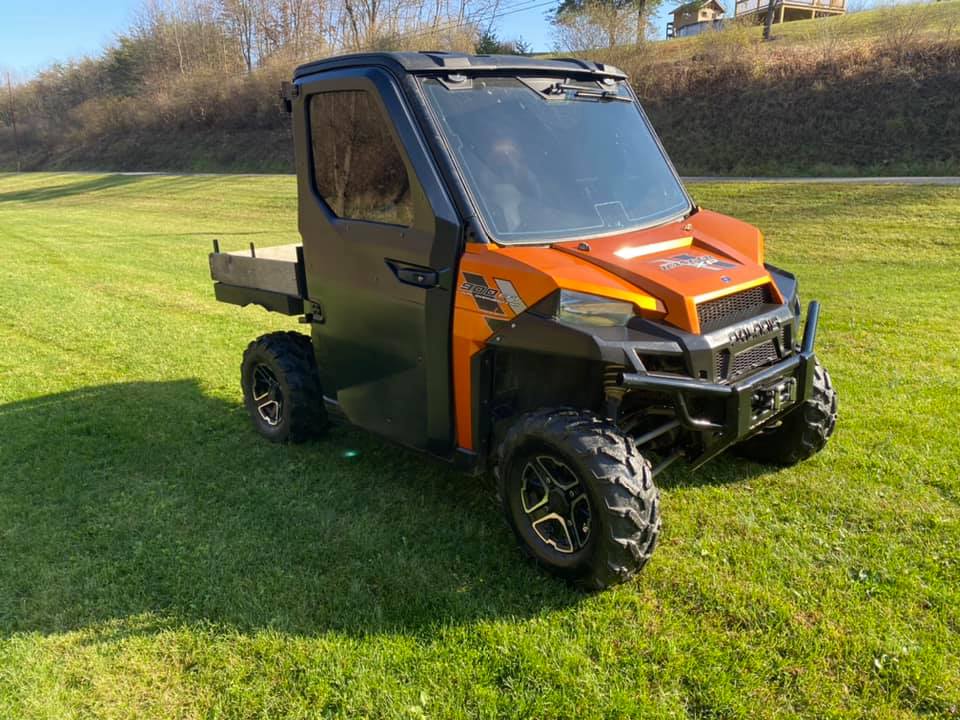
(695, 17)
(787, 10)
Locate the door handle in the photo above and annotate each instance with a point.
(420, 278)
(414, 275)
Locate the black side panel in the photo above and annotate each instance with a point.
(383, 346)
(536, 363)
(524, 381)
(481, 369)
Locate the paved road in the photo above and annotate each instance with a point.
(947, 181)
(831, 180)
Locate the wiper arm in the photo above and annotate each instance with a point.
(578, 91)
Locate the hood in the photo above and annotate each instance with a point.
(683, 264)
(669, 272)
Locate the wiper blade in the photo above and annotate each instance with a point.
(602, 95)
(558, 88)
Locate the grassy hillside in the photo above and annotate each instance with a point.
(860, 111)
(869, 93)
(159, 560)
(872, 93)
(930, 21)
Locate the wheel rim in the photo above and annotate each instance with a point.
(556, 504)
(267, 395)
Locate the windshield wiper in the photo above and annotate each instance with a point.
(578, 91)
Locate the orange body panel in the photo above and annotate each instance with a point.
(665, 272)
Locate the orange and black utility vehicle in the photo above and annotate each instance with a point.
(500, 267)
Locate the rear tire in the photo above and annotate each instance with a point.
(281, 387)
(804, 431)
(579, 496)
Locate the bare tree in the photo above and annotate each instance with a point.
(13, 121)
(239, 17)
(581, 25)
(641, 20)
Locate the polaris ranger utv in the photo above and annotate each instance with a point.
(500, 267)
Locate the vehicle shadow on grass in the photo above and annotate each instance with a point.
(155, 504)
(727, 469)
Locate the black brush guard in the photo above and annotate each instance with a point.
(749, 404)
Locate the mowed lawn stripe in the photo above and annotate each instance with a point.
(158, 559)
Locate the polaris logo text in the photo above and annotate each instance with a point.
(700, 262)
(754, 330)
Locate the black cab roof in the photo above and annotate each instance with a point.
(436, 61)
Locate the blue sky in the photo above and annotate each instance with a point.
(35, 33)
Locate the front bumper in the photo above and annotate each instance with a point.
(748, 404)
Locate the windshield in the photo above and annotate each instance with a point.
(546, 160)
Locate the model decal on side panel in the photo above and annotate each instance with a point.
(489, 297)
(486, 297)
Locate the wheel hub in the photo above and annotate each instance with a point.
(559, 501)
(555, 503)
(267, 395)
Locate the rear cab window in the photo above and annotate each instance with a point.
(357, 167)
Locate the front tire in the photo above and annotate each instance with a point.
(281, 387)
(804, 430)
(579, 496)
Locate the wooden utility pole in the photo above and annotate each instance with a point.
(768, 25)
(13, 121)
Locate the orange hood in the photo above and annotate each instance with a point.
(665, 271)
(682, 264)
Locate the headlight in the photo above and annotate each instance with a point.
(581, 309)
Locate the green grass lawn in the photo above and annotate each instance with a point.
(158, 559)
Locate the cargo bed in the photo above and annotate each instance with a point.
(271, 277)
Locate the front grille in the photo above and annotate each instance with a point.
(756, 357)
(725, 310)
(730, 366)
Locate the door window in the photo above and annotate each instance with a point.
(357, 167)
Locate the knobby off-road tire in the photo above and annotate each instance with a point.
(281, 387)
(624, 506)
(804, 431)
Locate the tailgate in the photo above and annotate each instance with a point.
(271, 277)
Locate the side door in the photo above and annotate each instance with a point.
(381, 240)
